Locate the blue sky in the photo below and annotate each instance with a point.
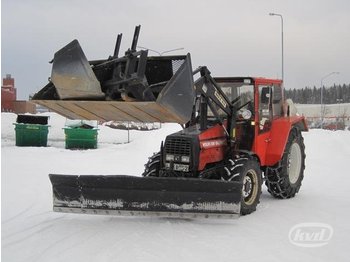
(233, 38)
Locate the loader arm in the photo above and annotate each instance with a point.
(212, 96)
(207, 87)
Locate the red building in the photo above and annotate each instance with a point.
(8, 94)
(9, 102)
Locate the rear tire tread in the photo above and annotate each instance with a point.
(277, 180)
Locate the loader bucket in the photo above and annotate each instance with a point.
(161, 87)
(146, 196)
(179, 94)
(72, 74)
(174, 103)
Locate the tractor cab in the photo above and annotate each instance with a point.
(258, 101)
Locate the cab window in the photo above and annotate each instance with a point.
(270, 105)
(265, 108)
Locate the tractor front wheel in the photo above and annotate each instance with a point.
(251, 191)
(152, 167)
(246, 170)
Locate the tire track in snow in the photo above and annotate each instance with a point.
(39, 214)
(88, 233)
(26, 237)
(31, 227)
(83, 239)
(17, 215)
(54, 244)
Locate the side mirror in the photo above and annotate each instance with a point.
(265, 95)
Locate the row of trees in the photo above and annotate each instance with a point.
(331, 95)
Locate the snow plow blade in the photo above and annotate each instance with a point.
(146, 196)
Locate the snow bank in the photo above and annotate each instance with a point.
(32, 232)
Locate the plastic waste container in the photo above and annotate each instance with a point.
(31, 130)
(81, 134)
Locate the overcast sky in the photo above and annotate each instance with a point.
(232, 38)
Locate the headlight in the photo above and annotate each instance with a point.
(169, 157)
(185, 159)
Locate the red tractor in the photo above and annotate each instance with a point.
(240, 129)
(235, 131)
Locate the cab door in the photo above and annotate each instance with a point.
(268, 108)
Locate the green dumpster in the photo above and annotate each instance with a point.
(81, 138)
(31, 130)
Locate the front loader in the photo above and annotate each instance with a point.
(134, 87)
(236, 129)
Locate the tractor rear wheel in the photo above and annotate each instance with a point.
(248, 171)
(152, 167)
(284, 179)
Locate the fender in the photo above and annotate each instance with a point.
(279, 134)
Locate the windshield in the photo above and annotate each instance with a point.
(242, 90)
(233, 90)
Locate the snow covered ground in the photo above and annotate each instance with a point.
(32, 232)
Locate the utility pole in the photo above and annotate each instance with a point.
(273, 14)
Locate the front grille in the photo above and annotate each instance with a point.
(178, 146)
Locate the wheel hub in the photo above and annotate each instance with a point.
(247, 186)
(250, 187)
